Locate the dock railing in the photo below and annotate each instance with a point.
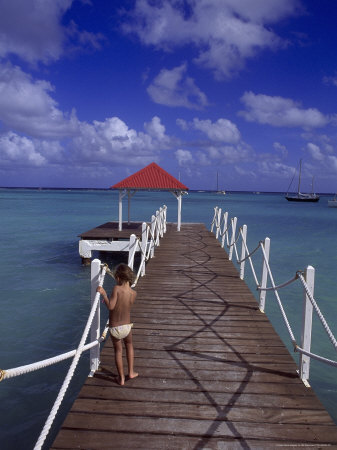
(151, 234)
(226, 232)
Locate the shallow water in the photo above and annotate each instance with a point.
(45, 292)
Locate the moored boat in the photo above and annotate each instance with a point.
(300, 196)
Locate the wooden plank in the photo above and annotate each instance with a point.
(213, 372)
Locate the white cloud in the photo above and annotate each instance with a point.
(282, 149)
(33, 30)
(222, 130)
(315, 151)
(174, 88)
(184, 157)
(27, 106)
(280, 112)
(21, 150)
(275, 169)
(224, 32)
(112, 141)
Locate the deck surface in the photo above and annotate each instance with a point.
(109, 230)
(213, 372)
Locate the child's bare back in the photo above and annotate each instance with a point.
(119, 304)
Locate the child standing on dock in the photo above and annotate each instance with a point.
(119, 304)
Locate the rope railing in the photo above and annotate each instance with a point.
(71, 370)
(307, 281)
(146, 246)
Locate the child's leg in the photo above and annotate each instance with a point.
(130, 355)
(119, 359)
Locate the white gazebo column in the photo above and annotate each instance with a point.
(120, 209)
(178, 196)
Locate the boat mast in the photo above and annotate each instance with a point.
(299, 177)
(217, 181)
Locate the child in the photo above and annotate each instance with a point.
(119, 304)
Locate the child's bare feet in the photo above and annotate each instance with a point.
(133, 375)
(121, 381)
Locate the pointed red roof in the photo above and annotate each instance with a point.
(151, 177)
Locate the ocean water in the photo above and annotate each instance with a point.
(45, 291)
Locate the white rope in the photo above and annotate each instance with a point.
(313, 355)
(250, 260)
(71, 370)
(272, 288)
(278, 298)
(318, 311)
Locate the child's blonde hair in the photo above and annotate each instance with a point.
(124, 273)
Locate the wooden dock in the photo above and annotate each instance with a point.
(213, 372)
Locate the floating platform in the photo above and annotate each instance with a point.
(109, 230)
(213, 372)
(107, 237)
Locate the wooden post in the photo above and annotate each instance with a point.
(264, 276)
(230, 255)
(224, 234)
(132, 244)
(307, 325)
(95, 326)
(243, 251)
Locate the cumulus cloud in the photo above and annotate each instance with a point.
(21, 150)
(224, 32)
(280, 112)
(33, 30)
(222, 130)
(174, 88)
(184, 157)
(112, 141)
(282, 149)
(315, 151)
(27, 106)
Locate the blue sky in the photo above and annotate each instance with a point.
(92, 91)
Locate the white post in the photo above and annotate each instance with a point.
(152, 242)
(218, 223)
(132, 243)
(307, 325)
(95, 326)
(164, 217)
(230, 255)
(157, 228)
(264, 277)
(243, 251)
(144, 246)
(129, 200)
(120, 210)
(179, 211)
(214, 218)
(224, 234)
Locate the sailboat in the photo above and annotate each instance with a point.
(217, 185)
(300, 197)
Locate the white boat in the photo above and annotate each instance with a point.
(300, 196)
(333, 203)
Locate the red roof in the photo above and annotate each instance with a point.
(150, 177)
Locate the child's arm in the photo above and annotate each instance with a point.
(110, 302)
(103, 294)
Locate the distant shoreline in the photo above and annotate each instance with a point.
(147, 190)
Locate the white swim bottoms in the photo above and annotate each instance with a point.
(122, 331)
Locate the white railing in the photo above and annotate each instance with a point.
(225, 231)
(151, 235)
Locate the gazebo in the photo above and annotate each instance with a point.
(150, 178)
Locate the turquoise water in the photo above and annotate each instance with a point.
(45, 292)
